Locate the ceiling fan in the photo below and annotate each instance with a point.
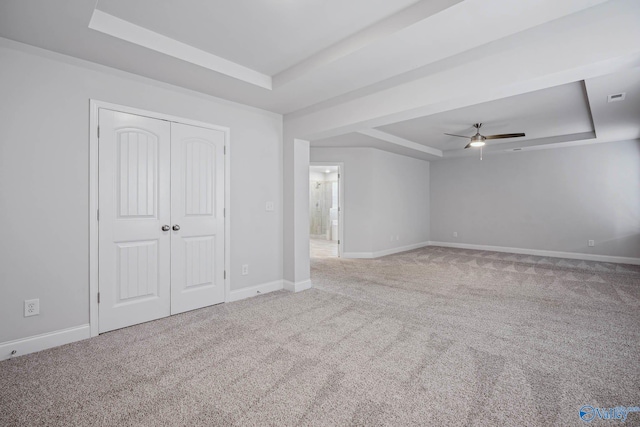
(477, 140)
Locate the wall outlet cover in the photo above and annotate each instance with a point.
(31, 307)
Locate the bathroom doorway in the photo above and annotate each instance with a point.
(325, 210)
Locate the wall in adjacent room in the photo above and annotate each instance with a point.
(44, 181)
(551, 200)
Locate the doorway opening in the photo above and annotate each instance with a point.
(325, 211)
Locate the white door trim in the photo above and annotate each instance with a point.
(94, 106)
(340, 201)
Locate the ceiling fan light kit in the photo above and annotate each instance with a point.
(478, 140)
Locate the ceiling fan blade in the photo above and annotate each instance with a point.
(459, 136)
(468, 145)
(505, 135)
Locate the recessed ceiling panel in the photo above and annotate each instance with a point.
(265, 35)
(560, 110)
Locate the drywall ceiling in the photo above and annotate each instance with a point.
(349, 46)
(323, 169)
(561, 110)
(559, 116)
(619, 120)
(390, 75)
(267, 35)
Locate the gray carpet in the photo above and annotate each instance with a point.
(429, 337)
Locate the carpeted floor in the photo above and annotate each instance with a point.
(431, 337)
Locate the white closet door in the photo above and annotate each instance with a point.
(197, 235)
(134, 203)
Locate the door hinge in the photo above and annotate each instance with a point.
(225, 150)
(338, 176)
(338, 241)
(225, 274)
(98, 215)
(98, 131)
(224, 212)
(98, 297)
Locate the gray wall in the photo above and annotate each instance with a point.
(44, 184)
(358, 193)
(385, 195)
(400, 190)
(553, 200)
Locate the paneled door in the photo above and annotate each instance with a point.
(161, 224)
(135, 214)
(197, 216)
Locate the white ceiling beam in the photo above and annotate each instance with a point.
(559, 52)
(378, 31)
(462, 29)
(383, 136)
(125, 30)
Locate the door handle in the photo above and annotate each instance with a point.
(176, 227)
(165, 228)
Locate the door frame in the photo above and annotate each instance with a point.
(340, 166)
(94, 107)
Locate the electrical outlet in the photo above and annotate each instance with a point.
(398, 237)
(245, 269)
(455, 234)
(592, 243)
(270, 206)
(31, 307)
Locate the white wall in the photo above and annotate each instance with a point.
(44, 181)
(317, 176)
(553, 200)
(357, 178)
(385, 195)
(400, 201)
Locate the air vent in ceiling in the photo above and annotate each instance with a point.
(616, 97)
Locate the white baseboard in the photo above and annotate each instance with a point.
(252, 291)
(385, 252)
(357, 255)
(400, 249)
(537, 252)
(40, 342)
(297, 287)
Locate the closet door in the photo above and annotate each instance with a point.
(197, 216)
(134, 203)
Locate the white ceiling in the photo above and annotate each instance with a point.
(323, 169)
(265, 35)
(561, 110)
(318, 60)
(566, 115)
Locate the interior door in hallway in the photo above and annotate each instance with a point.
(197, 215)
(134, 203)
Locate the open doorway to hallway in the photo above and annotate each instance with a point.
(325, 227)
